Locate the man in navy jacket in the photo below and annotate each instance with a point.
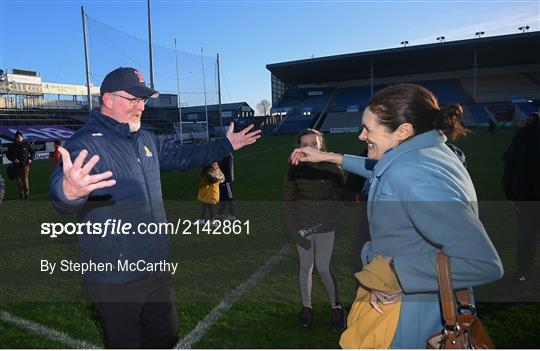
(115, 175)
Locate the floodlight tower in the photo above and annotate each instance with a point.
(524, 29)
(150, 50)
(440, 39)
(479, 34)
(404, 43)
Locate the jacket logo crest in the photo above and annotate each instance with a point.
(147, 152)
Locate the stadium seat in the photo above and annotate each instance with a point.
(342, 120)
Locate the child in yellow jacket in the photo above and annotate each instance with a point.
(211, 177)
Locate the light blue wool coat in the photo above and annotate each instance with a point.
(422, 201)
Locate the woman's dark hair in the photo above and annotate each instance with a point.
(414, 104)
(308, 131)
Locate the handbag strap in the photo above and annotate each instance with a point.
(463, 298)
(446, 291)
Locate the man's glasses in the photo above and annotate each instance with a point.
(133, 101)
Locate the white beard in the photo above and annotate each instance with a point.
(134, 126)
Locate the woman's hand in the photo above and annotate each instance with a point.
(309, 154)
(386, 298)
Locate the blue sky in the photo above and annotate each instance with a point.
(46, 36)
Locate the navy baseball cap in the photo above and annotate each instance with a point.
(128, 79)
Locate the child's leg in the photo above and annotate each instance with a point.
(324, 245)
(211, 211)
(203, 211)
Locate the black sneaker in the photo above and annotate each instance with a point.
(337, 318)
(306, 317)
(519, 278)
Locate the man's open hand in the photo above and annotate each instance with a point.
(243, 137)
(78, 182)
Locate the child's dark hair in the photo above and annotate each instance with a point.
(309, 131)
(207, 168)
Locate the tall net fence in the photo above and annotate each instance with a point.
(111, 47)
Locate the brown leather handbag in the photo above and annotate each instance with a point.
(462, 328)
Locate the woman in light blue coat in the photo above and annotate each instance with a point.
(421, 201)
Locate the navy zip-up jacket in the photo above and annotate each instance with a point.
(135, 159)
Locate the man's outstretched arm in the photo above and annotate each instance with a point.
(174, 156)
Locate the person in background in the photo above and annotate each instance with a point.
(421, 201)
(208, 195)
(56, 155)
(311, 212)
(21, 154)
(521, 184)
(226, 198)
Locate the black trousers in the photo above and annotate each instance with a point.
(207, 211)
(528, 221)
(226, 198)
(140, 314)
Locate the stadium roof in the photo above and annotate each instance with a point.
(505, 50)
(234, 106)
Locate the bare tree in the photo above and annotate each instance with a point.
(264, 107)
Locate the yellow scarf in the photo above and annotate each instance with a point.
(367, 328)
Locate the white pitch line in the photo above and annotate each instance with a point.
(47, 332)
(226, 303)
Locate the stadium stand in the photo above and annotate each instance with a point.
(351, 98)
(229, 110)
(483, 75)
(527, 107)
(501, 111)
(447, 90)
(304, 109)
(294, 124)
(13, 117)
(475, 115)
(342, 120)
(26, 100)
(495, 88)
